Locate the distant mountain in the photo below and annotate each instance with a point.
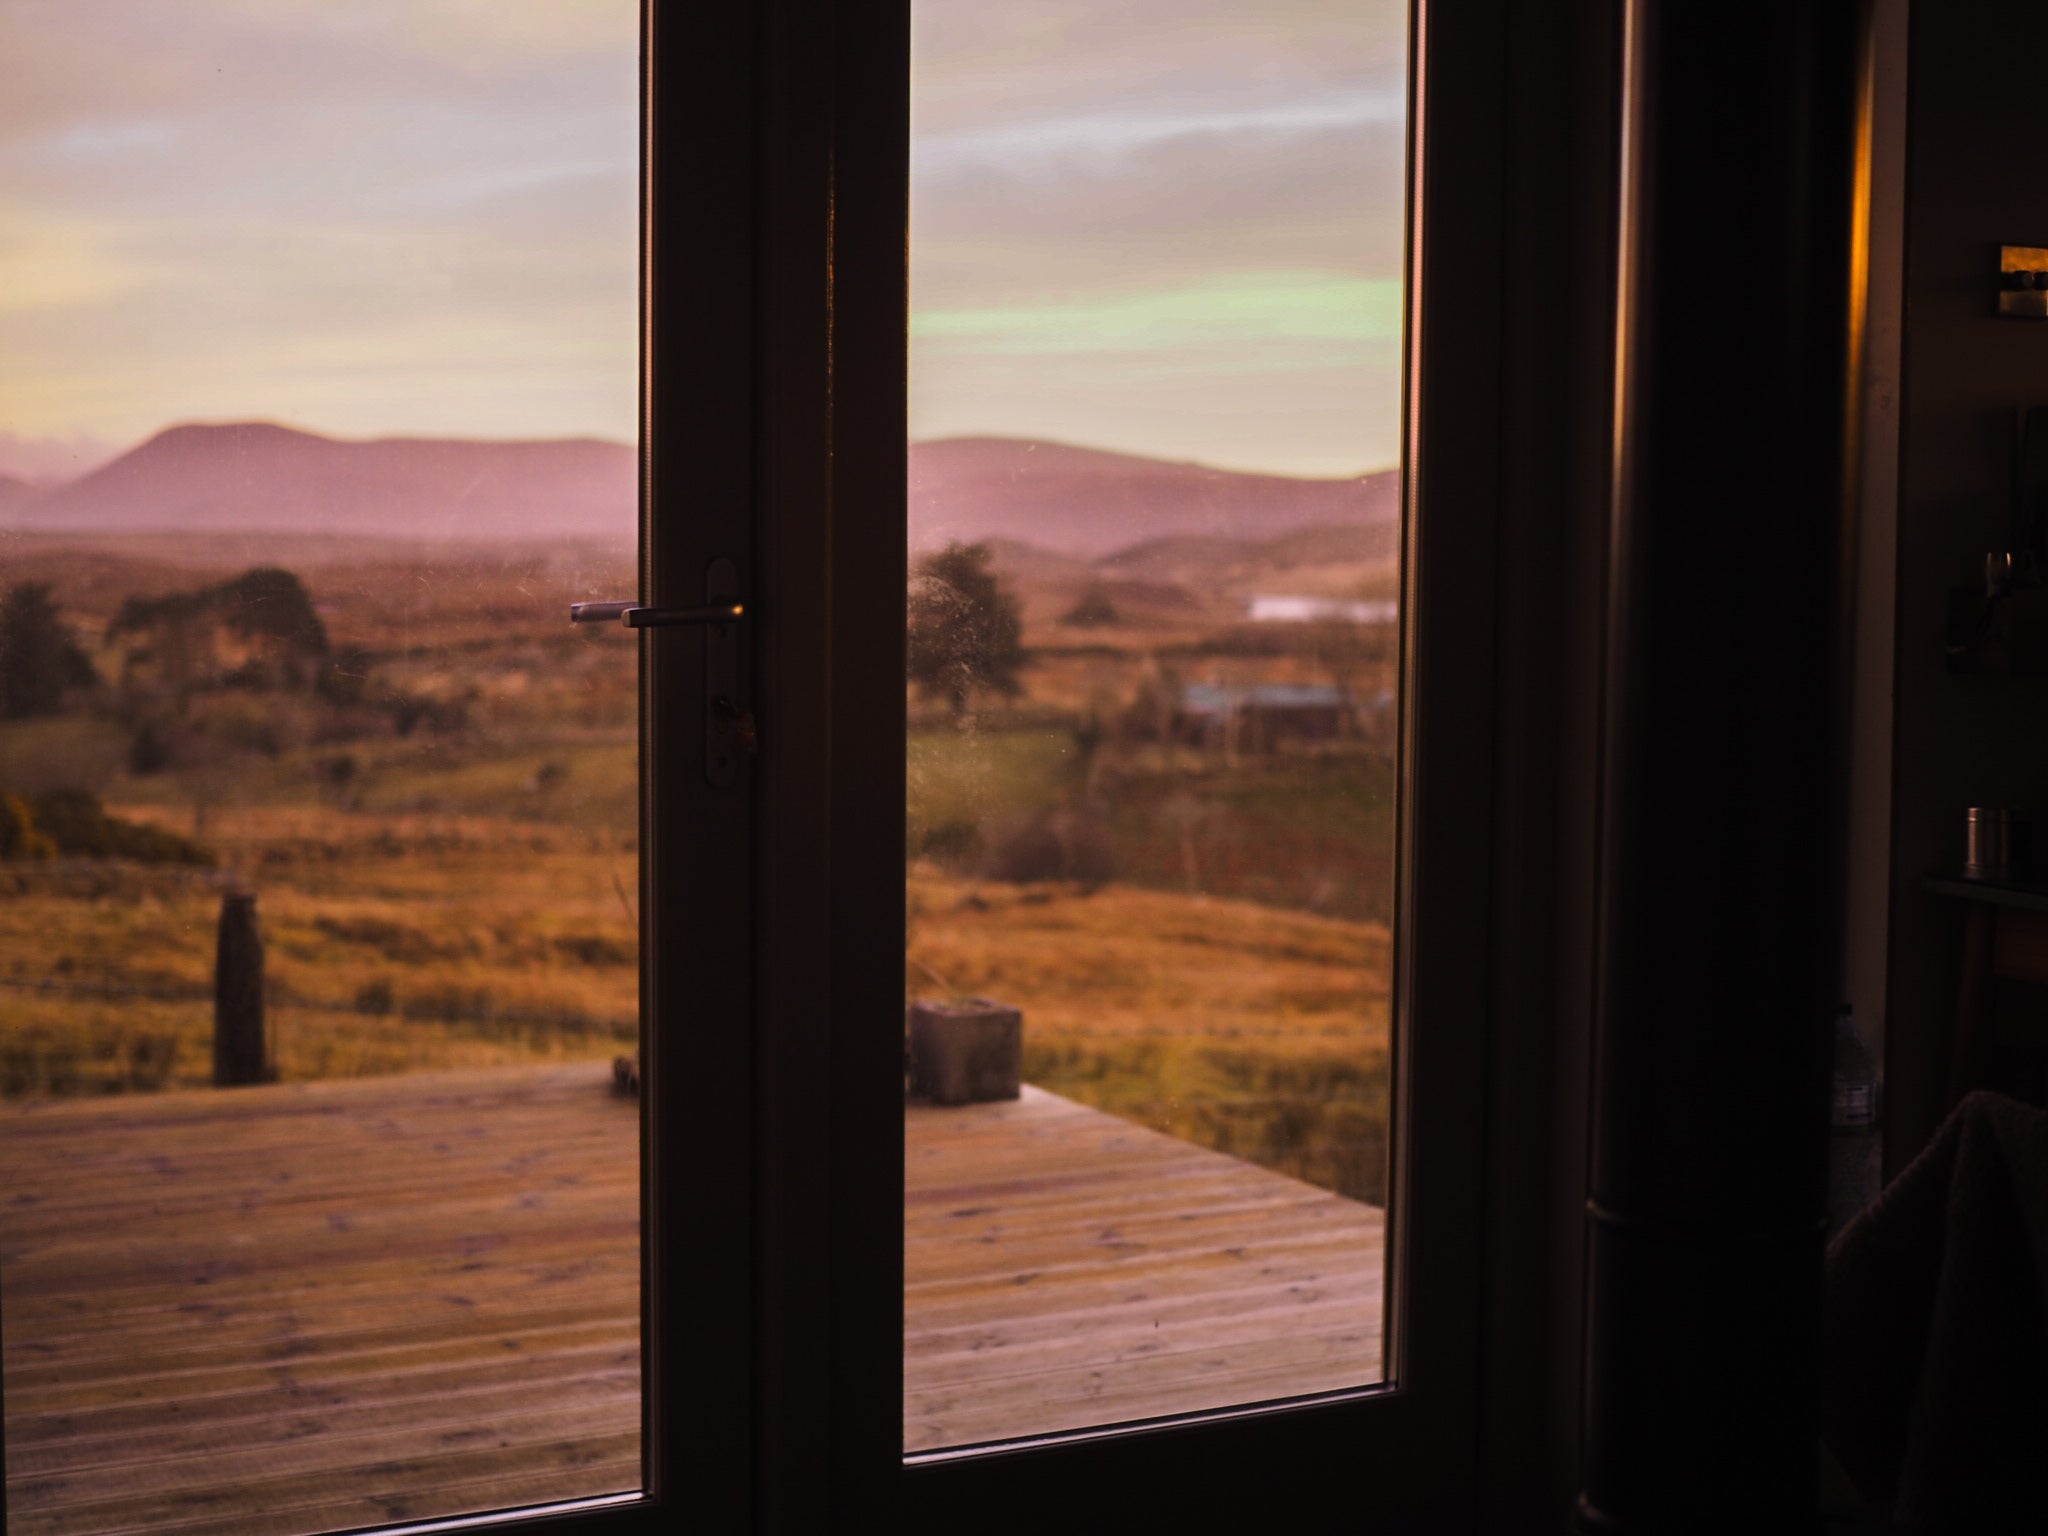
(16, 492)
(256, 476)
(1088, 502)
(1319, 554)
(1182, 579)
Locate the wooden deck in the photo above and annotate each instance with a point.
(314, 1306)
(1064, 1268)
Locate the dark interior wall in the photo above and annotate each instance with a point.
(1975, 182)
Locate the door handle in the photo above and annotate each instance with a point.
(728, 728)
(636, 616)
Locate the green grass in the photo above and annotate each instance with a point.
(593, 783)
(1310, 831)
(958, 778)
(1307, 832)
(1318, 1115)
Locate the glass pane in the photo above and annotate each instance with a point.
(1153, 617)
(319, 1181)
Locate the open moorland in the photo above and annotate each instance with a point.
(1165, 834)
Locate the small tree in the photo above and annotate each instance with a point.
(966, 635)
(40, 659)
(273, 603)
(258, 629)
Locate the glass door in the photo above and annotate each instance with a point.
(775, 924)
(974, 1295)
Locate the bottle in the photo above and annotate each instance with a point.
(1854, 1149)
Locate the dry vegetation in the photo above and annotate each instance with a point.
(1252, 1030)
(448, 883)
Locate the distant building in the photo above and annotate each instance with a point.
(1258, 717)
(1322, 610)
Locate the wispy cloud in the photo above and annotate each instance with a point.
(1020, 145)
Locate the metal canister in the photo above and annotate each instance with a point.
(1994, 843)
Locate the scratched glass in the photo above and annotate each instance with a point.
(319, 1180)
(1156, 274)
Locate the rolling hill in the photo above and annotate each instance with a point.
(16, 492)
(1072, 503)
(1088, 502)
(257, 476)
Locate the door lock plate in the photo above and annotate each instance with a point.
(728, 729)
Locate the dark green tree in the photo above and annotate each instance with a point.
(40, 659)
(272, 602)
(966, 634)
(178, 635)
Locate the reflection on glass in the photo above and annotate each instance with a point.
(1152, 618)
(318, 1202)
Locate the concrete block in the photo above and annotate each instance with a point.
(966, 1053)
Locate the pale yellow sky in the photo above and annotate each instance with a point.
(1168, 226)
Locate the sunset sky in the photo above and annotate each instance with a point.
(1168, 226)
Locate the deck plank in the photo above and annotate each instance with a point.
(311, 1306)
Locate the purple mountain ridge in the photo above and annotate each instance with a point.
(1089, 502)
(256, 477)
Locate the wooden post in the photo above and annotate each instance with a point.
(238, 1046)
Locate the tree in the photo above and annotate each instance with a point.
(965, 630)
(273, 603)
(258, 629)
(40, 659)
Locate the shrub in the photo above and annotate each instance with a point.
(40, 658)
(75, 822)
(19, 837)
(956, 844)
(148, 752)
(377, 997)
(451, 1003)
(1053, 845)
(345, 678)
(597, 949)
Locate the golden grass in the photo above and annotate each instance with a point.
(392, 944)
(1117, 962)
(63, 1046)
(463, 896)
(1259, 1032)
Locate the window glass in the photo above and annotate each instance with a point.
(1157, 299)
(319, 1187)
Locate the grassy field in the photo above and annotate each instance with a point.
(445, 861)
(393, 943)
(1256, 1031)
(1299, 830)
